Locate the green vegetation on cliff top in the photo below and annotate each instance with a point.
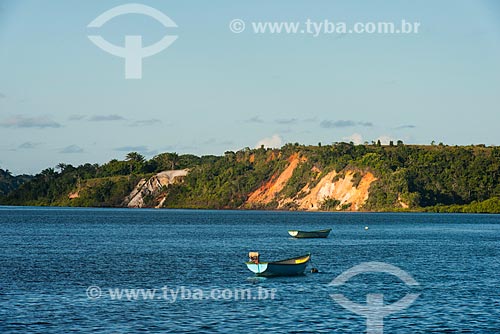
(433, 178)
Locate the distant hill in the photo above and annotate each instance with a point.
(337, 177)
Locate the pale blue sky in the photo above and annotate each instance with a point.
(62, 99)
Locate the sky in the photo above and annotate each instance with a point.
(63, 99)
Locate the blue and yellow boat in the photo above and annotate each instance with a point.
(289, 267)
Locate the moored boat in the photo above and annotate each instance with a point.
(288, 267)
(310, 234)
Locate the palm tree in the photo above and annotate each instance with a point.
(135, 157)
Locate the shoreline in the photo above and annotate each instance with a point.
(241, 210)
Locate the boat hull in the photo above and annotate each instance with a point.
(309, 234)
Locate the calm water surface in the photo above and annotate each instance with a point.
(50, 256)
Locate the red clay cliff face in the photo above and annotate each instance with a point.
(342, 189)
(266, 193)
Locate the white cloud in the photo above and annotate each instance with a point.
(71, 149)
(255, 119)
(286, 120)
(356, 138)
(20, 121)
(274, 141)
(406, 126)
(146, 122)
(28, 145)
(106, 118)
(343, 124)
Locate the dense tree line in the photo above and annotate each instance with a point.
(8, 182)
(225, 182)
(96, 185)
(432, 178)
